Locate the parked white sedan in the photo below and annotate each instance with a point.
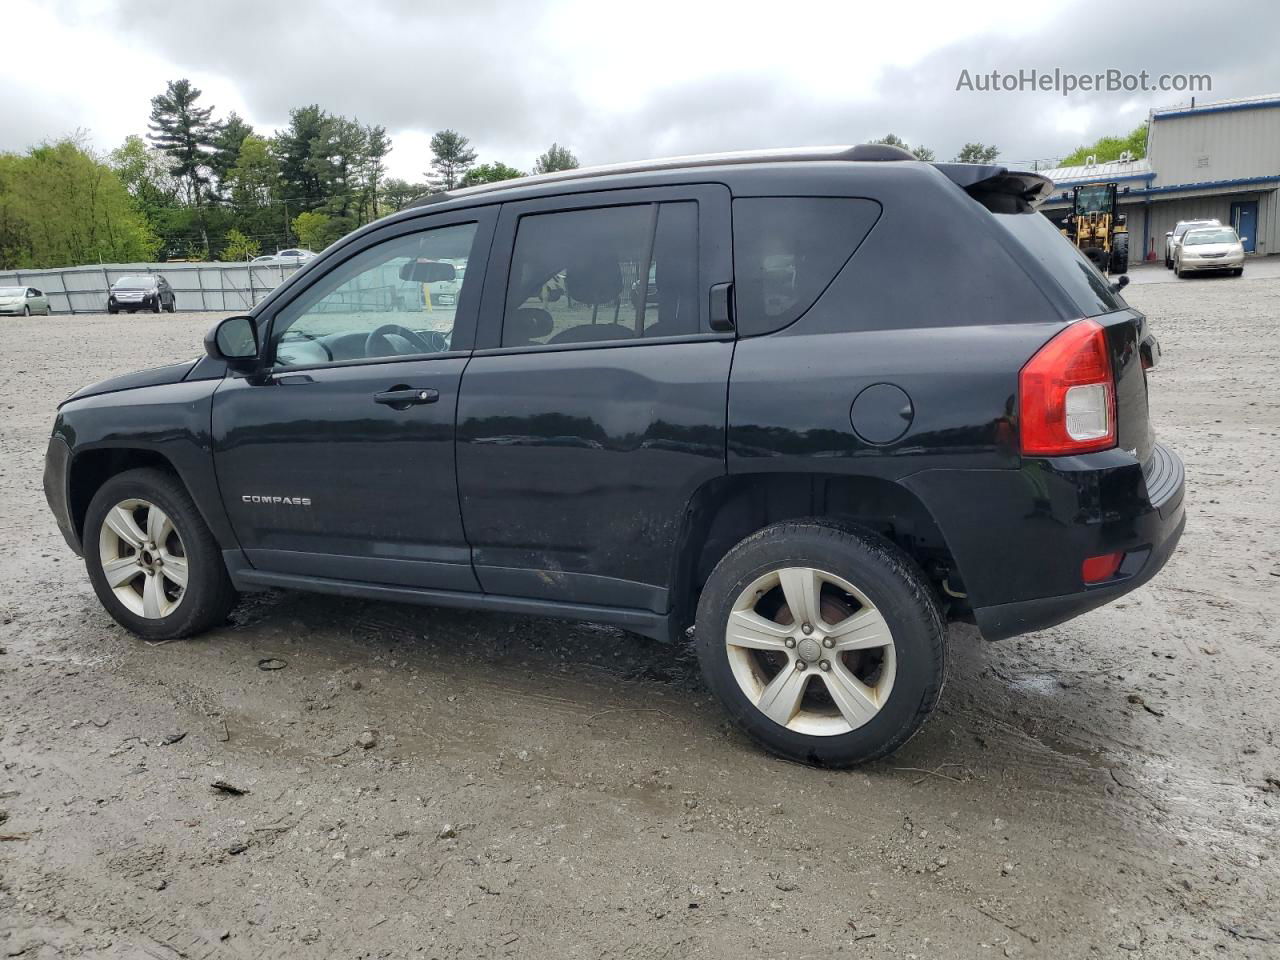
(23, 301)
(1209, 248)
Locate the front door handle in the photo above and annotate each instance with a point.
(401, 397)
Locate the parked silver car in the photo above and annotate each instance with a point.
(1209, 248)
(23, 301)
(293, 257)
(1173, 238)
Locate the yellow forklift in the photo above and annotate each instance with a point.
(1098, 229)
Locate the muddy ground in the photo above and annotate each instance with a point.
(549, 789)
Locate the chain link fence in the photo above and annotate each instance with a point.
(216, 287)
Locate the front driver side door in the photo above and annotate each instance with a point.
(338, 460)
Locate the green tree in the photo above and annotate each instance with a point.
(451, 157)
(377, 146)
(62, 206)
(490, 173)
(239, 247)
(1106, 149)
(977, 153)
(556, 158)
(893, 140)
(312, 229)
(226, 149)
(183, 130)
(144, 171)
(396, 194)
(253, 187)
(295, 148)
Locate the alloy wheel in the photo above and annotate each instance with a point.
(811, 651)
(143, 558)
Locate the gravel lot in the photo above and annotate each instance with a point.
(1107, 788)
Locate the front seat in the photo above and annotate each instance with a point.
(596, 281)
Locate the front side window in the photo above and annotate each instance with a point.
(397, 298)
(608, 273)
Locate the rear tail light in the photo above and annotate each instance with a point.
(1067, 394)
(1097, 569)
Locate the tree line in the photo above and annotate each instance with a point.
(199, 187)
(195, 186)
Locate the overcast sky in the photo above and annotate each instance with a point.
(623, 82)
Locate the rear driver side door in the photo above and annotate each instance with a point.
(594, 405)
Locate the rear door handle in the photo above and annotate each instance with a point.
(401, 397)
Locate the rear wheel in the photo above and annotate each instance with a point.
(153, 563)
(155, 307)
(173, 304)
(26, 311)
(822, 641)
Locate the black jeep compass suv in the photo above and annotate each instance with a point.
(813, 404)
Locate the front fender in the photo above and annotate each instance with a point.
(170, 422)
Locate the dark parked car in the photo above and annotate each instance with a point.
(869, 395)
(146, 292)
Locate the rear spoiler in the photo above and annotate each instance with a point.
(998, 188)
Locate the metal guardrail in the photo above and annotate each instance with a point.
(216, 287)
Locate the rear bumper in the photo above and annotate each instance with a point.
(1019, 537)
(1011, 619)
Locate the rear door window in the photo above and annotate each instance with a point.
(605, 273)
(787, 250)
(1087, 288)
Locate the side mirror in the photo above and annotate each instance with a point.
(1168, 233)
(1121, 282)
(234, 340)
(427, 271)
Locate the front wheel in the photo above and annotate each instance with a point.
(822, 641)
(153, 562)
(26, 311)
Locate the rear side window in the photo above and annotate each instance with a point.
(787, 250)
(1087, 288)
(605, 273)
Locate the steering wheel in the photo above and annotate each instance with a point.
(372, 349)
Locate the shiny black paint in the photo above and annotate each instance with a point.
(168, 420)
(576, 466)
(156, 376)
(380, 480)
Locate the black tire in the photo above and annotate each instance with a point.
(112, 310)
(890, 580)
(1238, 272)
(157, 306)
(26, 311)
(209, 595)
(1168, 264)
(173, 304)
(1120, 254)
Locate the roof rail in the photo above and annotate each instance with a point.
(861, 152)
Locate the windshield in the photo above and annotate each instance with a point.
(1079, 278)
(7, 292)
(1182, 228)
(134, 283)
(1093, 200)
(1225, 235)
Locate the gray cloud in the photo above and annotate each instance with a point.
(507, 75)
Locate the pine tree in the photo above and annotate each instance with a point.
(556, 158)
(451, 157)
(226, 150)
(183, 130)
